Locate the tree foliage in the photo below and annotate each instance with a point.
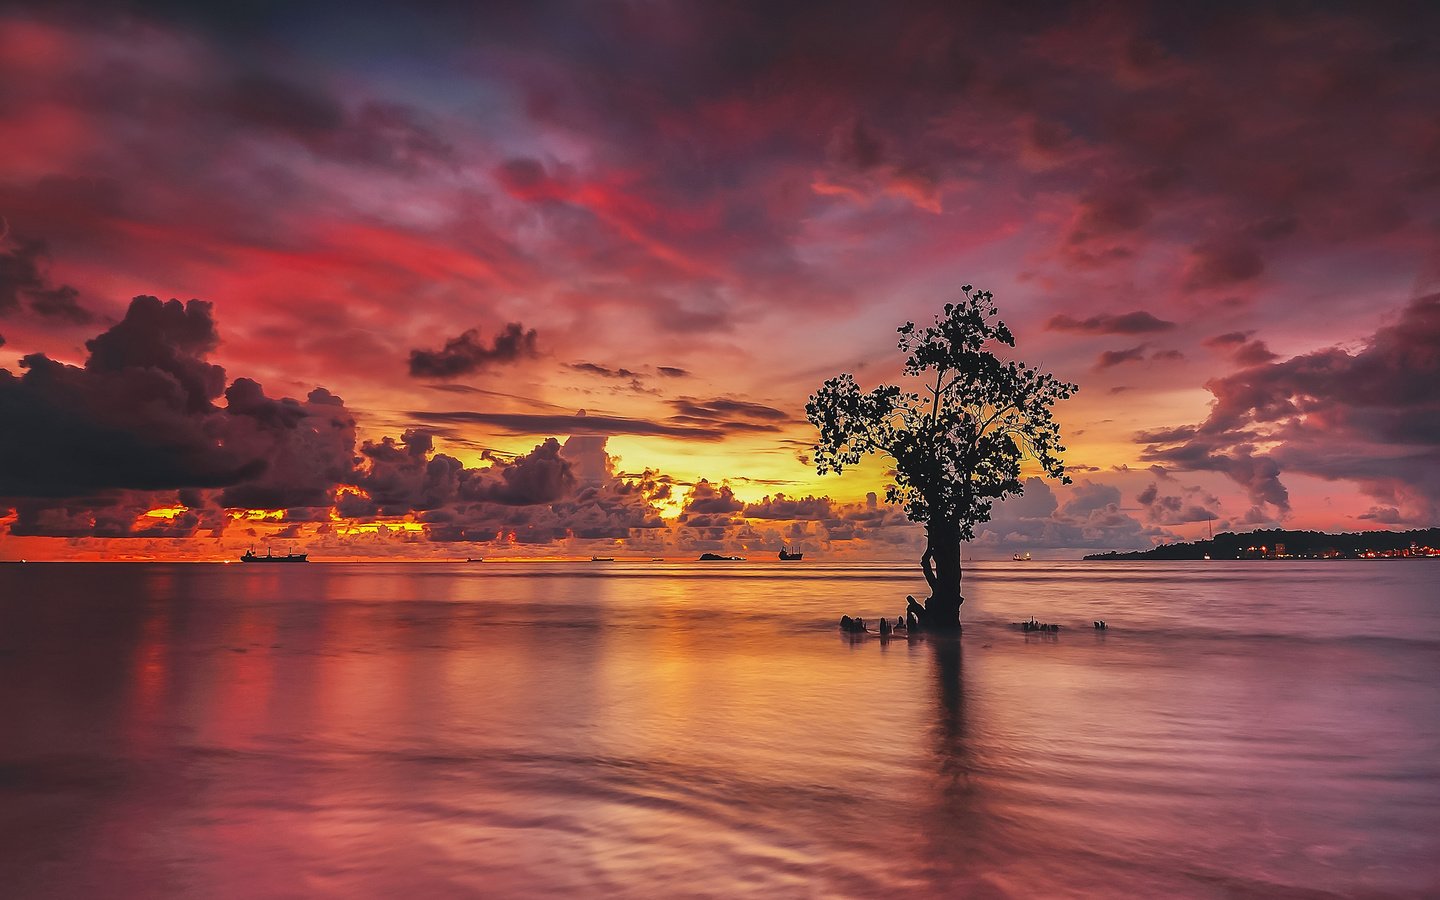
(957, 440)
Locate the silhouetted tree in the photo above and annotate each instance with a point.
(957, 447)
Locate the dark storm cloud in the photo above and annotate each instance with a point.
(1137, 322)
(139, 415)
(1369, 417)
(88, 451)
(467, 353)
(24, 284)
(308, 447)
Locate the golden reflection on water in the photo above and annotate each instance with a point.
(372, 730)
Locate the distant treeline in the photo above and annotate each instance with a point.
(1313, 544)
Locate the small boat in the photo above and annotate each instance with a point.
(475, 559)
(251, 556)
(715, 557)
(602, 559)
(785, 554)
(1021, 557)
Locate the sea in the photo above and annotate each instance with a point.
(684, 729)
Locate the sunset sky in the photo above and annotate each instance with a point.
(558, 278)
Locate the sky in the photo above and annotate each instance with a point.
(445, 280)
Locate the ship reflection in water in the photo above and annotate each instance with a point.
(566, 729)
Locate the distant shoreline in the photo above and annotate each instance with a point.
(1281, 544)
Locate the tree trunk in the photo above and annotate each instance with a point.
(942, 570)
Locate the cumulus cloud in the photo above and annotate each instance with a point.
(1091, 517)
(468, 353)
(783, 507)
(139, 415)
(140, 419)
(308, 447)
(1367, 416)
(540, 476)
(557, 492)
(705, 497)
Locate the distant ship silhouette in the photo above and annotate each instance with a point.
(787, 555)
(251, 556)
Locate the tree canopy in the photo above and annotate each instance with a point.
(957, 441)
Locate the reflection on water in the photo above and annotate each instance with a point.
(660, 730)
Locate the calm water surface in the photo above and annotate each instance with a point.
(662, 729)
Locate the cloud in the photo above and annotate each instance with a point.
(373, 133)
(467, 353)
(705, 497)
(23, 284)
(121, 514)
(783, 507)
(1137, 322)
(140, 414)
(1193, 504)
(1254, 353)
(569, 492)
(308, 447)
(604, 371)
(540, 423)
(540, 476)
(107, 442)
(1091, 517)
(1240, 348)
(1221, 265)
(1111, 358)
(1108, 213)
(725, 412)
(1367, 416)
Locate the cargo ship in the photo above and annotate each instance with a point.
(251, 556)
